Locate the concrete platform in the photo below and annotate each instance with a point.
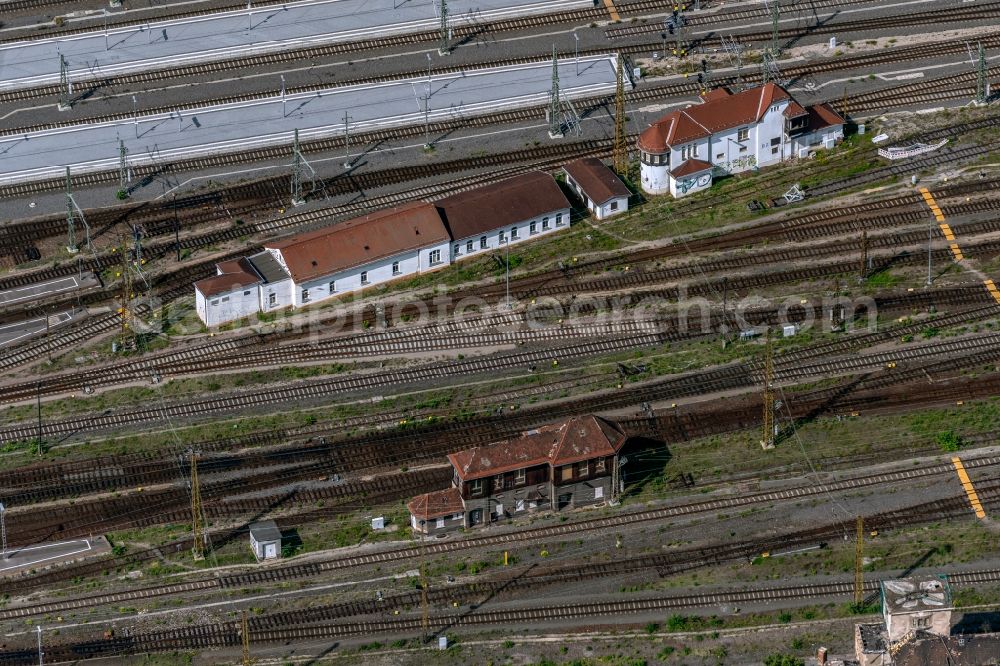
(11, 334)
(165, 44)
(236, 127)
(16, 560)
(43, 290)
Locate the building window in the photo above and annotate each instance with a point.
(720, 156)
(246, 293)
(775, 141)
(503, 237)
(435, 257)
(440, 523)
(689, 151)
(743, 149)
(305, 295)
(458, 250)
(470, 247)
(918, 622)
(225, 299)
(513, 233)
(599, 492)
(272, 298)
(582, 468)
(533, 228)
(364, 277)
(332, 286)
(498, 482)
(614, 205)
(215, 302)
(519, 505)
(559, 220)
(476, 487)
(483, 243)
(545, 224)
(566, 473)
(774, 151)
(598, 465)
(395, 268)
(743, 134)
(520, 477)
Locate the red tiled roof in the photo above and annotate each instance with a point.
(500, 204)
(573, 440)
(717, 113)
(233, 274)
(437, 503)
(823, 115)
(597, 181)
(362, 240)
(688, 167)
(716, 93)
(794, 110)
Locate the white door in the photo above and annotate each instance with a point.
(440, 523)
(500, 510)
(270, 551)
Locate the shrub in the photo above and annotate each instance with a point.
(949, 441)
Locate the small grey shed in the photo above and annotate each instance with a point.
(265, 539)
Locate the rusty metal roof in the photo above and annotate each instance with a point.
(436, 504)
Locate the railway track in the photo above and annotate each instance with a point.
(298, 571)
(27, 485)
(284, 627)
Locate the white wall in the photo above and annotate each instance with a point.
(231, 305)
(771, 127)
(604, 211)
(655, 179)
(523, 234)
(282, 291)
(378, 272)
(704, 178)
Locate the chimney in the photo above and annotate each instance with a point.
(821, 657)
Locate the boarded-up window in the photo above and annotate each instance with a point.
(567, 473)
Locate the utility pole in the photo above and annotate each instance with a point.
(507, 270)
(555, 127)
(135, 115)
(775, 18)
(245, 636)
(198, 548)
(3, 530)
(123, 179)
(70, 217)
(621, 150)
(283, 114)
(444, 48)
(297, 199)
(424, 606)
(982, 82)
(347, 140)
(41, 655)
(177, 229)
(65, 85)
(864, 256)
(125, 336)
(38, 412)
(859, 561)
(767, 441)
(930, 236)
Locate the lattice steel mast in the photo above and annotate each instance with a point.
(555, 126)
(197, 528)
(444, 47)
(982, 84)
(859, 561)
(767, 430)
(621, 149)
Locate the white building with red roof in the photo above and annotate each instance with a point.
(728, 133)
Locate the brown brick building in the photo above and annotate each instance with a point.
(556, 466)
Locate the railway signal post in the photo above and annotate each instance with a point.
(197, 530)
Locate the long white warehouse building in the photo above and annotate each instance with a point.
(383, 246)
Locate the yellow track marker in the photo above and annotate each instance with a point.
(992, 288)
(963, 476)
(611, 10)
